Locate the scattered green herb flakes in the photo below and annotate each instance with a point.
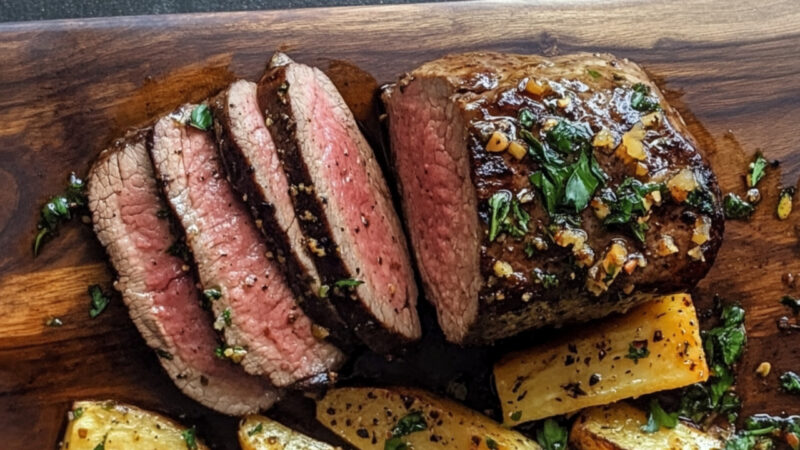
(201, 117)
(736, 208)
(491, 444)
(499, 206)
(529, 250)
(552, 436)
(226, 316)
(410, 423)
(324, 290)
(60, 209)
(701, 200)
(99, 301)
(522, 217)
(101, 445)
(593, 73)
(77, 413)
(190, 438)
(526, 118)
(347, 283)
(516, 415)
(212, 293)
(627, 205)
(219, 352)
(255, 430)
(547, 280)
(54, 322)
(638, 350)
(761, 430)
(540, 152)
(659, 418)
(164, 354)
(790, 382)
(568, 137)
(569, 187)
(791, 302)
(757, 170)
(723, 347)
(641, 99)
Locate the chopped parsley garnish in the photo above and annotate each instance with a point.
(60, 209)
(516, 415)
(736, 208)
(99, 301)
(701, 200)
(659, 418)
(101, 445)
(499, 206)
(760, 430)
(637, 350)
(226, 316)
(552, 436)
(201, 117)
(491, 444)
(723, 347)
(256, 429)
(77, 413)
(347, 283)
(569, 137)
(164, 354)
(790, 382)
(189, 438)
(547, 280)
(219, 352)
(568, 187)
(757, 170)
(526, 118)
(791, 302)
(641, 99)
(593, 73)
(627, 205)
(212, 294)
(410, 423)
(522, 217)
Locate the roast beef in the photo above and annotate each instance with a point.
(342, 204)
(130, 221)
(254, 169)
(263, 327)
(543, 191)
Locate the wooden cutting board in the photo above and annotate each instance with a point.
(67, 88)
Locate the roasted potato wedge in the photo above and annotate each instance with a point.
(655, 346)
(618, 427)
(124, 427)
(369, 417)
(262, 433)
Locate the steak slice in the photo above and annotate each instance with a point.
(342, 205)
(255, 170)
(161, 297)
(263, 327)
(497, 157)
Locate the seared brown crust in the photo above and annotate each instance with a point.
(240, 174)
(488, 88)
(282, 126)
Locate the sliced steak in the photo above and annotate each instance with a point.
(342, 204)
(255, 170)
(263, 327)
(162, 298)
(544, 191)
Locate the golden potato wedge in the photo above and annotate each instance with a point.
(124, 427)
(262, 433)
(618, 427)
(366, 418)
(653, 347)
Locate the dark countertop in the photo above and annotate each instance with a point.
(22, 10)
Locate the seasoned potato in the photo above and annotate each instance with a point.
(654, 347)
(124, 427)
(618, 427)
(369, 417)
(262, 433)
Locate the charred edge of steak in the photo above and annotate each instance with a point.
(241, 176)
(273, 99)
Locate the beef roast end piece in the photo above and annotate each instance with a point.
(546, 191)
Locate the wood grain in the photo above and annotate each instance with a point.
(67, 88)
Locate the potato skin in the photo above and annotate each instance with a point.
(618, 427)
(121, 427)
(595, 366)
(257, 432)
(365, 418)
